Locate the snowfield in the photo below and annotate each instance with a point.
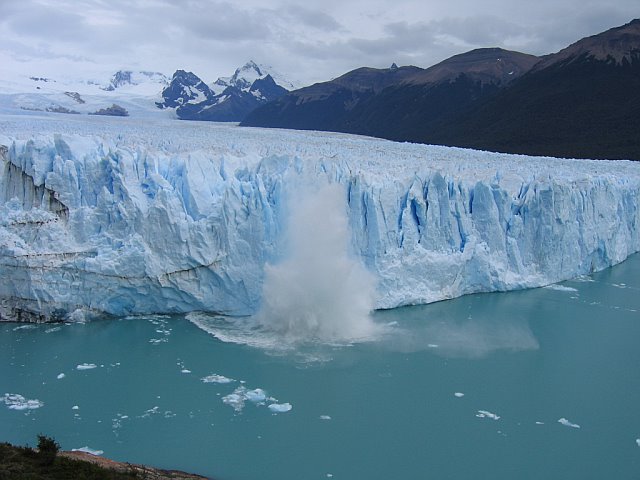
(131, 216)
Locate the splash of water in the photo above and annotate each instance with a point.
(319, 292)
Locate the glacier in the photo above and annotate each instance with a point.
(127, 216)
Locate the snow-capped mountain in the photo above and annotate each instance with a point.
(228, 99)
(185, 88)
(126, 78)
(246, 75)
(132, 91)
(98, 216)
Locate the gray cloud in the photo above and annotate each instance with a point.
(314, 42)
(311, 18)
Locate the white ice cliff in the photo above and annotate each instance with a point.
(124, 217)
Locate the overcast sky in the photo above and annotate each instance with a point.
(309, 41)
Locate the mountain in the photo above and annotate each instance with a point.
(185, 88)
(583, 101)
(251, 71)
(123, 78)
(444, 91)
(391, 103)
(227, 99)
(132, 91)
(327, 105)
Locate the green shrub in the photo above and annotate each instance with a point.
(47, 450)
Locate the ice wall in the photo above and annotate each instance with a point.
(138, 220)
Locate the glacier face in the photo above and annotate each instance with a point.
(129, 217)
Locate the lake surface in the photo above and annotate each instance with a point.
(533, 384)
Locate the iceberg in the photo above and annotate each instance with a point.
(280, 407)
(567, 423)
(15, 401)
(130, 217)
(88, 450)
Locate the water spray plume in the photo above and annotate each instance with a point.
(319, 291)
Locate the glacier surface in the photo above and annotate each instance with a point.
(126, 216)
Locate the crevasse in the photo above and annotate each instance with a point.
(125, 218)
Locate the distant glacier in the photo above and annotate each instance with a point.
(125, 216)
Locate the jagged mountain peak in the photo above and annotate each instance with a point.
(184, 88)
(227, 99)
(244, 76)
(186, 78)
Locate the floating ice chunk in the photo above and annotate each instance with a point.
(561, 288)
(88, 450)
(215, 378)
(258, 395)
(116, 422)
(78, 316)
(638, 441)
(539, 423)
(486, 414)
(14, 401)
(280, 407)
(433, 345)
(52, 329)
(583, 278)
(325, 417)
(567, 423)
(236, 399)
(24, 327)
(151, 411)
(240, 395)
(86, 366)
(75, 407)
(459, 394)
(184, 370)
(61, 376)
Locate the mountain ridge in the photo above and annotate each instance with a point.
(583, 101)
(362, 99)
(228, 99)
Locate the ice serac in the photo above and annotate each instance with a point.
(129, 219)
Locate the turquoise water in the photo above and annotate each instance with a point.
(378, 410)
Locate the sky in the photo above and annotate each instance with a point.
(309, 41)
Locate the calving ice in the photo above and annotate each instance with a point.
(120, 217)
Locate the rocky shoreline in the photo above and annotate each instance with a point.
(143, 471)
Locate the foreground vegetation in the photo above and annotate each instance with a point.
(44, 463)
(17, 463)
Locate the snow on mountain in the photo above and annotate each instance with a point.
(226, 100)
(127, 217)
(185, 88)
(148, 82)
(140, 92)
(246, 75)
(134, 91)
